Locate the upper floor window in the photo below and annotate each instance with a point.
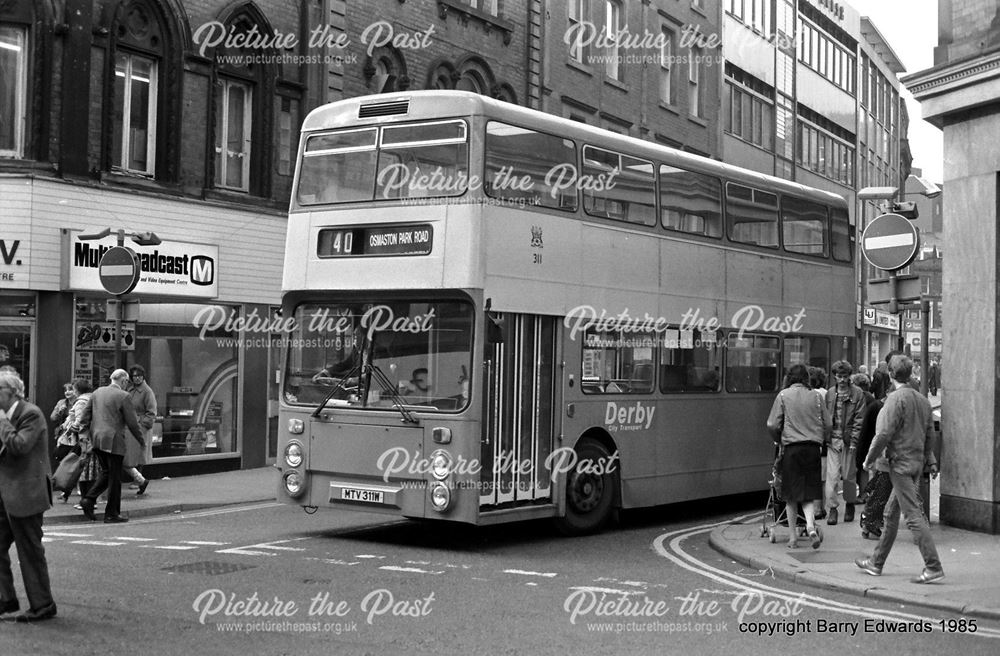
(612, 28)
(752, 215)
(232, 135)
(491, 7)
(694, 77)
(134, 116)
(13, 89)
(578, 11)
(666, 67)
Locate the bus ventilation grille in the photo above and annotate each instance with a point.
(384, 109)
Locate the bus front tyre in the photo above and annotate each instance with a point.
(591, 490)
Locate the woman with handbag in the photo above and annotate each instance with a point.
(65, 441)
(801, 422)
(72, 428)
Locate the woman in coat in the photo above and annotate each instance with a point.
(144, 404)
(802, 423)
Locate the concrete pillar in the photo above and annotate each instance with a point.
(961, 95)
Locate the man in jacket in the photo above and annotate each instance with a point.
(846, 404)
(24, 496)
(108, 414)
(903, 429)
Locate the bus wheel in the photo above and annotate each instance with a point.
(590, 495)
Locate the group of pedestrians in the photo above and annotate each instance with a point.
(880, 446)
(91, 424)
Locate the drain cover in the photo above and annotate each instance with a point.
(208, 567)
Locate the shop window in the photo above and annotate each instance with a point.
(617, 363)
(13, 89)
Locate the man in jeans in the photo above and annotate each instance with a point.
(903, 429)
(846, 404)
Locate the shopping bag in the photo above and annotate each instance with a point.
(68, 473)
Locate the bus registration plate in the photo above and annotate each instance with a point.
(361, 494)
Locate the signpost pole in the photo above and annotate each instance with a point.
(925, 343)
(120, 314)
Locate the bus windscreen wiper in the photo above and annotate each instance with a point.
(355, 371)
(397, 400)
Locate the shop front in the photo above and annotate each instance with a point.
(212, 381)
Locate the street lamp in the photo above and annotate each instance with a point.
(142, 239)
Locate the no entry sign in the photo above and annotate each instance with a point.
(119, 270)
(890, 242)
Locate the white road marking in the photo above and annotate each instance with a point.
(594, 588)
(414, 570)
(99, 543)
(252, 549)
(369, 556)
(167, 547)
(61, 534)
(205, 543)
(548, 575)
(119, 537)
(676, 554)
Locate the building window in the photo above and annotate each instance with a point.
(578, 12)
(134, 146)
(694, 92)
(491, 7)
(232, 135)
(612, 27)
(13, 89)
(666, 67)
(748, 109)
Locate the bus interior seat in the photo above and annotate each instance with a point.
(673, 376)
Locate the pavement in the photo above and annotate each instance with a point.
(165, 496)
(971, 563)
(971, 560)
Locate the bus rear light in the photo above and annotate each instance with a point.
(293, 454)
(440, 497)
(294, 484)
(296, 426)
(440, 464)
(441, 435)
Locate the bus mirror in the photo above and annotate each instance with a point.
(494, 328)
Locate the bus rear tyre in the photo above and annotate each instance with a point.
(590, 495)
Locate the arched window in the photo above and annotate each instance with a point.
(242, 112)
(385, 71)
(143, 110)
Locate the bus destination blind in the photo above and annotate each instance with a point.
(381, 240)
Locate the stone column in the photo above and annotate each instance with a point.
(961, 95)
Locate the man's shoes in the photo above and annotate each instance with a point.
(871, 534)
(867, 565)
(43, 613)
(849, 513)
(142, 488)
(115, 519)
(9, 606)
(928, 576)
(831, 517)
(87, 506)
(816, 538)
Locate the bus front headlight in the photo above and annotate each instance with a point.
(440, 497)
(295, 484)
(293, 453)
(440, 464)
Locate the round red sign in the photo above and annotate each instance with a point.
(890, 242)
(119, 269)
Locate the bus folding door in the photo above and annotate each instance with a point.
(518, 424)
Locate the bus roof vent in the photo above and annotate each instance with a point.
(384, 108)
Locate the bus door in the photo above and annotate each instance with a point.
(519, 424)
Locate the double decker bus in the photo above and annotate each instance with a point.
(497, 314)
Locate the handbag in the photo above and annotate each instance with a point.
(68, 473)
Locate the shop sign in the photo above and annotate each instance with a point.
(934, 342)
(880, 319)
(101, 336)
(172, 268)
(84, 366)
(14, 258)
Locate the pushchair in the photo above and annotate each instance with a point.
(775, 512)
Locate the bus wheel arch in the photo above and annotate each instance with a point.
(593, 494)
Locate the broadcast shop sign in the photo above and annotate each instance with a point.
(172, 268)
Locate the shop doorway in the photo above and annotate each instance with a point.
(15, 349)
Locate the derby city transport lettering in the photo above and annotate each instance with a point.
(628, 417)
